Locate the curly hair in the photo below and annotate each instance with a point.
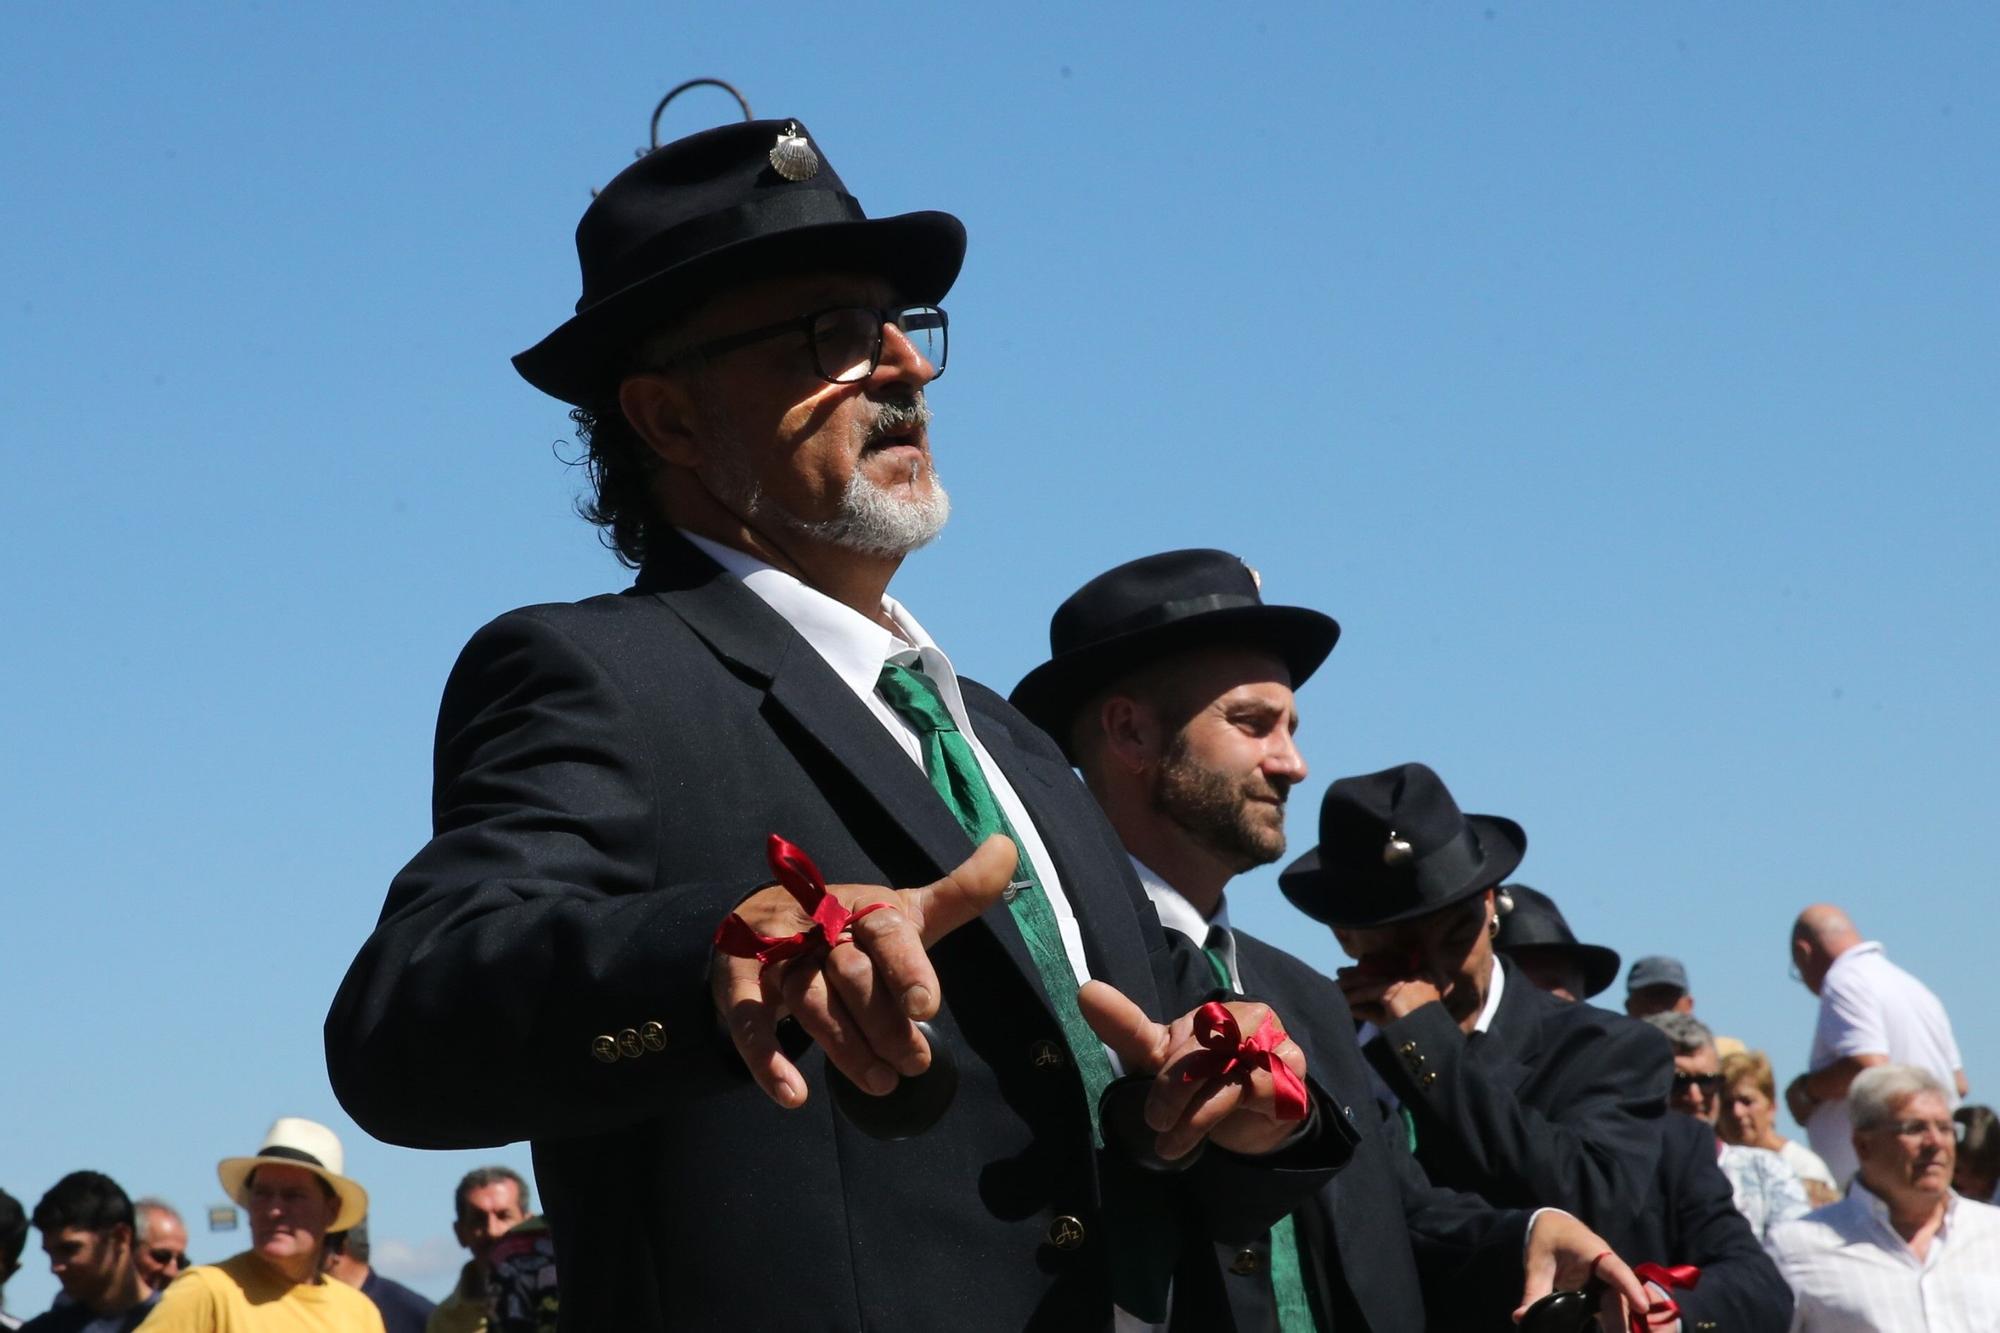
(620, 466)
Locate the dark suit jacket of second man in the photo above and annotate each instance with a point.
(1558, 1104)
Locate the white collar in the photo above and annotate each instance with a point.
(1492, 996)
(1176, 912)
(852, 644)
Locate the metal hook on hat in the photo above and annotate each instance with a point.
(676, 91)
(729, 88)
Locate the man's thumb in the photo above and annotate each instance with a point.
(967, 891)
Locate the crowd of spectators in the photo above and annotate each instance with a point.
(122, 1264)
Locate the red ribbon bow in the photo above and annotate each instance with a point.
(1666, 1278)
(1228, 1052)
(832, 922)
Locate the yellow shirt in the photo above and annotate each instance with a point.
(243, 1295)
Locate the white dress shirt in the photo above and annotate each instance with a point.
(1869, 1006)
(1851, 1273)
(857, 648)
(1177, 913)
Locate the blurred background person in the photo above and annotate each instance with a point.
(1535, 937)
(402, 1310)
(163, 1242)
(13, 1238)
(1902, 1251)
(1977, 1175)
(490, 1202)
(1765, 1190)
(87, 1232)
(1750, 1118)
(1658, 984)
(1871, 1012)
(294, 1193)
(524, 1297)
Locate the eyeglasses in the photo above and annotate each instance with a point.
(1917, 1129)
(1710, 1084)
(166, 1258)
(846, 340)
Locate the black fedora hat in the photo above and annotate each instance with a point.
(1535, 922)
(1131, 615)
(692, 216)
(1394, 846)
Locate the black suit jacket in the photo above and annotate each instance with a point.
(606, 775)
(1557, 1104)
(1691, 1218)
(1365, 1271)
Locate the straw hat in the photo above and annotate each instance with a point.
(293, 1141)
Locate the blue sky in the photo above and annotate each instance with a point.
(1619, 376)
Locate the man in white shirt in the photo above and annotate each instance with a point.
(1901, 1252)
(1871, 1012)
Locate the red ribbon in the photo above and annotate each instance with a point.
(1229, 1052)
(1666, 1278)
(832, 922)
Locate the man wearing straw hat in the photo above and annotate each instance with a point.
(294, 1192)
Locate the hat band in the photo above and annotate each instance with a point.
(763, 215)
(291, 1154)
(1446, 869)
(1163, 613)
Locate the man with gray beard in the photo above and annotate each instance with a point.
(1170, 686)
(721, 1074)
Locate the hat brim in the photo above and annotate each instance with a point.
(234, 1173)
(1051, 693)
(919, 254)
(1598, 964)
(1309, 887)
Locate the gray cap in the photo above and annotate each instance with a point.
(1657, 970)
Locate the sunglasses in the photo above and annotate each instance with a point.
(167, 1258)
(1710, 1084)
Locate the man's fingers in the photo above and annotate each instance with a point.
(871, 1000)
(1139, 1043)
(975, 885)
(1205, 1106)
(893, 951)
(1621, 1283)
(827, 1021)
(753, 1029)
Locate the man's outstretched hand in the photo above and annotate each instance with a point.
(1238, 1111)
(1565, 1254)
(857, 1001)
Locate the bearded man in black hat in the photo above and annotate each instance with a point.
(1170, 685)
(1506, 1091)
(596, 913)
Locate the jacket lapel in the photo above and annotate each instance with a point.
(1506, 1050)
(741, 629)
(1104, 909)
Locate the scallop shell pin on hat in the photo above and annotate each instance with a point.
(792, 156)
(1397, 851)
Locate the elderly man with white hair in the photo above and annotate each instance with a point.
(1901, 1251)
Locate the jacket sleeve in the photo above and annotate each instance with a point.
(525, 942)
(1740, 1287)
(1593, 1156)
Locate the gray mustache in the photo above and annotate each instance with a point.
(899, 415)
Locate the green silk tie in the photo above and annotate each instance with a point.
(955, 773)
(1141, 1246)
(1288, 1278)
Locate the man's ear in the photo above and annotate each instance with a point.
(660, 409)
(1131, 732)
